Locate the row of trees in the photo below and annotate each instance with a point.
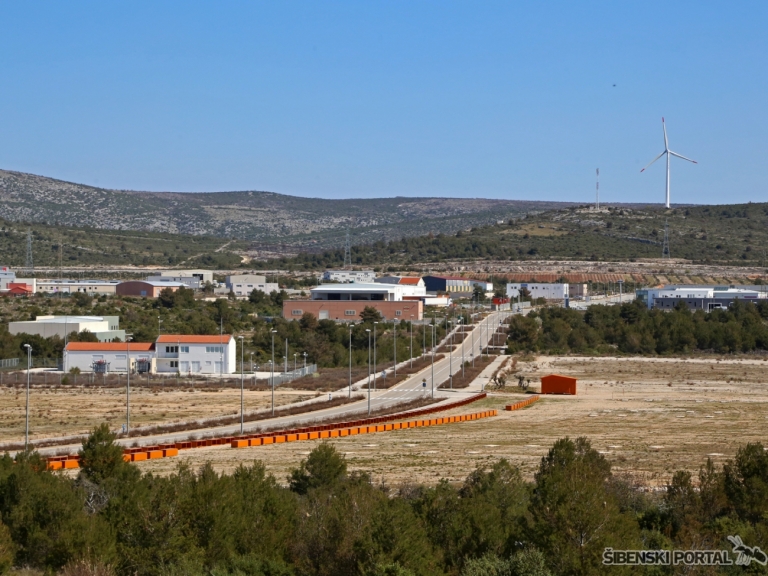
(633, 329)
(328, 521)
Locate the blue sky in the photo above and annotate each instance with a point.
(364, 99)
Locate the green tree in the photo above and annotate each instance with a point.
(100, 457)
(370, 315)
(7, 549)
(323, 467)
(745, 481)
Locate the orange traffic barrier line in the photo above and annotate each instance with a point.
(240, 443)
(522, 403)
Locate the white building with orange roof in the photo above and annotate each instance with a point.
(411, 285)
(108, 356)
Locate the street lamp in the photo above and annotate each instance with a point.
(461, 322)
(374, 355)
(411, 348)
(350, 359)
(242, 385)
(369, 370)
(26, 422)
(272, 370)
(394, 338)
(433, 358)
(305, 363)
(294, 360)
(251, 353)
(450, 355)
(128, 383)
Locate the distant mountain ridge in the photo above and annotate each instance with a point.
(258, 217)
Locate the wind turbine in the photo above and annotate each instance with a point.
(669, 153)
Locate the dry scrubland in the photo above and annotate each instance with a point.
(74, 410)
(626, 407)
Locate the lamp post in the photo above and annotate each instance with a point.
(128, 384)
(251, 353)
(369, 370)
(473, 341)
(411, 349)
(272, 370)
(374, 355)
(462, 346)
(450, 356)
(350, 359)
(433, 358)
(394, 338)
(285, 358)
(305, 363)
(294, 361)
(26, 421)
(242, 386)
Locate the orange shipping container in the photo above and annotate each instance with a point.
(557, 384)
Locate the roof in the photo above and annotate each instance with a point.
(410, 280)
(454, 278)
(356, 287)
(559, 376)
(109, 346)
(64, 319)
(43, 281)
(155, 283)
(192, 339)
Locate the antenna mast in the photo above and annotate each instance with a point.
(665, 246)
(597, 190)
(30, 266)
(347, 253)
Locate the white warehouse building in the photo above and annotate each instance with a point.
(346, 276)
(244, 284)
(558, 291)
(169, 354)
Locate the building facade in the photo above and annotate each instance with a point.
(189, 354)
(145, 288)
(107, 357)
(49, 286)
(555, 291)
(347, 276)
(411, 285)
(105, 328)
(453, 284)
(350, 310)
(243, 284)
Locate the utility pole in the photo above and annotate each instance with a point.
(350, 360)
(128, 384)
(242, 386)
(394, 332)
(272, 369)
(30, 265)
(374, 355)
(26, 421)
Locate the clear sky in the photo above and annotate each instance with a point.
(516, 100)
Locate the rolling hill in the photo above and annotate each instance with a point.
(274, 222)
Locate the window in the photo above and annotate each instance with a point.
(350, 313)
(185, 349)
(172, 349)
(214, 349)
(174, 363)
(297, 312)
(398, 312)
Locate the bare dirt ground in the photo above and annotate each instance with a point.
(70, 410)
(626, 407)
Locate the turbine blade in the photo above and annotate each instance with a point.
(654, 160)
(683, 157)
(664, 126)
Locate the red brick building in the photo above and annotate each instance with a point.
(349, 310)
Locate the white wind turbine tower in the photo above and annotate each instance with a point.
(669, 153)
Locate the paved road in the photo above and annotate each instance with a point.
(410, 389)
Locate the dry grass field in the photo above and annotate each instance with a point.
(69, 410)
(626, 407)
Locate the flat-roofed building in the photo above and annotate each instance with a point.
(346, 276)
(455, 284)
(553, 291)
(48, 286)
(243, 284)
(345, 302)
(705, 298)
(411, 285)
(146, 288)
(202, 276)
(105, 328)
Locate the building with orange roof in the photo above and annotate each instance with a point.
(169, 354)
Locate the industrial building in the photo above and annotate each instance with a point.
(411, 285)
(67, 286)
(348, 276)
(146, 288)
(105, 328)
(345, 302)
(194, 279)
(169, 354)
(243, 284)
(554, 291)
(452, 284)
(7, 276)
(705, 298)
(109, 356)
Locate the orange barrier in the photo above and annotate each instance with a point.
(522, 403)
(281, 437)
(366, 426)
